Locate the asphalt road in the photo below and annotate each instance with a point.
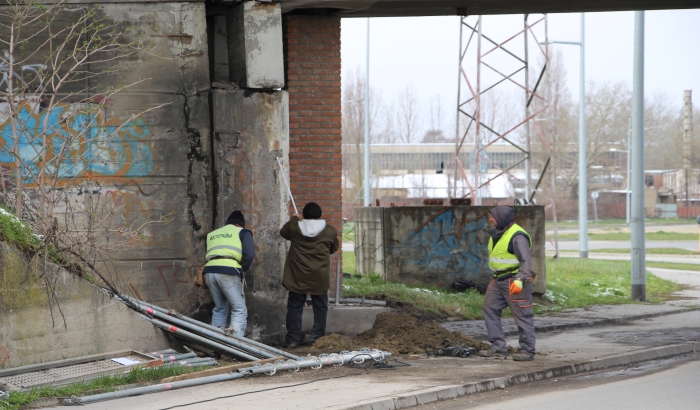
(653, 385)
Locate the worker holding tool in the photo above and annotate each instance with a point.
(510, 260)
(307, 270)
(230, 252)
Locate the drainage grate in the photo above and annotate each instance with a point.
(71, 370)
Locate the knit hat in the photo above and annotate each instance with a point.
(312, 211)
(236, 218)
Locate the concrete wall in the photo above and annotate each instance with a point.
(435, 245)
(250, 132)
(32, 330)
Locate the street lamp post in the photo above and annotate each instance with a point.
(366, 164)
(582, 182)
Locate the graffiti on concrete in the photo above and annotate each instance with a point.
(27, 77)
(443, 245)
(94, 146)
(174, 274)
(4, 357)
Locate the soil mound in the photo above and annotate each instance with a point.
(400, 334)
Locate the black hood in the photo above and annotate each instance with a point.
(504, 219)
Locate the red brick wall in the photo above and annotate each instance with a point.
(312, 68)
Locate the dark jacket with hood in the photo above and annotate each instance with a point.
(308, 264)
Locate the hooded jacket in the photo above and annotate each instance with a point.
(519, 243)
(308, 264)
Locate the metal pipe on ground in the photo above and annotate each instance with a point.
(269, 369)
(214, 328)
(160, 353)
(175, 357)
(201, 340)
(206, 332)
(201, 361)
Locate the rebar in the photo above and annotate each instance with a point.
(270, 369)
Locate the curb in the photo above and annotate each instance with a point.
(603, 322)
(450, 392)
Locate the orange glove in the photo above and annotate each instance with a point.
(516, 287)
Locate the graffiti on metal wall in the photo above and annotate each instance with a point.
(444, 245)
(95, 147)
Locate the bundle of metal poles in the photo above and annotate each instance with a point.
(270, 369)
(172, 358)
(207, 336)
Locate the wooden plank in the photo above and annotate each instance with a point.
(218, 370)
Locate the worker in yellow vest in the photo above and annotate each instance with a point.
(511, 263)
(230, 252)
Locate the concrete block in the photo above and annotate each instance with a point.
(255, 53)
(369, 246)
(386, 404)
(347, 320)
(404, 402)
(405, 231)
(94, 323)
(426, 397)
(451, 392)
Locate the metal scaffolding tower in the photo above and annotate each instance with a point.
(498, 66)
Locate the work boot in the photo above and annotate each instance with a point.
(523, 357)
(491, 353)
(289, 345)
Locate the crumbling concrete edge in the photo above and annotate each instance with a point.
(435, 394)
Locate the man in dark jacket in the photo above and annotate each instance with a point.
(510, 260)
(230, 252)
(307, 270)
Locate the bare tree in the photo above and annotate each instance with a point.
(353, 128)
(435, 133)
(408, 118)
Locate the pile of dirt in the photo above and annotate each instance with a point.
(400, 334)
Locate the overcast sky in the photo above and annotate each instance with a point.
(424, 51)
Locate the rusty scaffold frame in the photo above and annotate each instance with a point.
(470, 99)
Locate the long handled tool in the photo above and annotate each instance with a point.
(284, 178)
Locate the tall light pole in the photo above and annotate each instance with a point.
(582, 182)
(638, 251)
(366, 182)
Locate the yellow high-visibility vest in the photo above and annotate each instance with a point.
(502, 262)
(224, 247)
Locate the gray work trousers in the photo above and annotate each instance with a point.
(497, 298)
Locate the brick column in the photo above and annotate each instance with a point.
(312, 69)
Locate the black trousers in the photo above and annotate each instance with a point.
(295, 308)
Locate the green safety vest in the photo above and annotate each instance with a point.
(226, 244)
(502, 262)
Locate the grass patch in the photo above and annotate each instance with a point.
(673, 265)
(349, 232)
(619, 222)
(102, 385)
(626, 236)
(649, 251)
(571, 283)
(349, 262)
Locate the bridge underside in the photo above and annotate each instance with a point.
(415, 8)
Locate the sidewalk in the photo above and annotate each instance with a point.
(559, 352)
(571, 342)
